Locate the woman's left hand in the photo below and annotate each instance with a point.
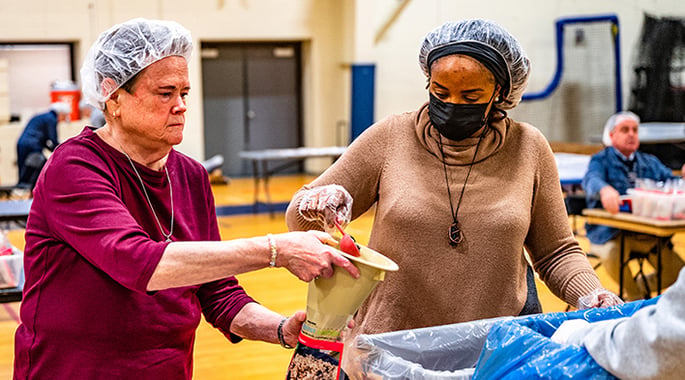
(292, 327)
(599, 297)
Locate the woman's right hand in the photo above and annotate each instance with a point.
(329, 203)
(310, 254)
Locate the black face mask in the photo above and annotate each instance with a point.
(456, 121)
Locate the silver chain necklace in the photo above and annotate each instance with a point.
(147, 197)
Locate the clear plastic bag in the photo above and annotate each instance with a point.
(499, 348)
(442, 352)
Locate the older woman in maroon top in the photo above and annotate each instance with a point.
(123, 251)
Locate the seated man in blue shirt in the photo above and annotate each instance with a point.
(610, 173)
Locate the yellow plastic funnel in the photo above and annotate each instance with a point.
(331, 302)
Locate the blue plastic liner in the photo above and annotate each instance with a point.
(521, 347)
(497, 348)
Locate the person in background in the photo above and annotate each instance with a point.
(94, 116)
(123, 254)
(460, 191)
(611, 172)
(40, 133)
(647, 345)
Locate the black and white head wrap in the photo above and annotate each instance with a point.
(488, 43)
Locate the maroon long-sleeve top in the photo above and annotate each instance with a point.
(92, 244)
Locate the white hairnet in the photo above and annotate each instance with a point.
(491, 34)
(125, 49)
(611, 124)
(61, 107)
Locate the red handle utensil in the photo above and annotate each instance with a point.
(347, 244)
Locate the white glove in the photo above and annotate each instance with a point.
(567, 329)
(328, 204)
(599, 297)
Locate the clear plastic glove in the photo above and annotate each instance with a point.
(599, 297)
(567, 329)
(329, 204)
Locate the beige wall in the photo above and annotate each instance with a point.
(318, 24)
(401, 84)
(334, 33)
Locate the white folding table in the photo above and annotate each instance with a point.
(261, 158)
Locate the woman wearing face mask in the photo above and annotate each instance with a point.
(460, 191)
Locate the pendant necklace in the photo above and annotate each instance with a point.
(454, 232)
(147, 197)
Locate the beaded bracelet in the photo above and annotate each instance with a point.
(274, 251)
(281, 339)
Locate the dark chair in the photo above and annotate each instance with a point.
(32, 166)
(575, 203)
(641, 257)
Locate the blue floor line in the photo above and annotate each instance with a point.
(250, 209)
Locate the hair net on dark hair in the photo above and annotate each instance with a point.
(488, 33)
(126, 49)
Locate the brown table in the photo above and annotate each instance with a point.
(10, 295)
(662, 230)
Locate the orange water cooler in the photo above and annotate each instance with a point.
(67, 92)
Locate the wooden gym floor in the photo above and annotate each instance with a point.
(215, 357)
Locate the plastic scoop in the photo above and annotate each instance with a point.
(347, 244)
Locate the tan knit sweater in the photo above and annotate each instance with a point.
(513, 200)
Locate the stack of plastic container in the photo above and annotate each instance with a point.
(658, 200)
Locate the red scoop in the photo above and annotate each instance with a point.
(347, 244)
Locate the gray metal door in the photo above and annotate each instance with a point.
(251, 100)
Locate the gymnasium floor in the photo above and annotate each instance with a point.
(215, 357)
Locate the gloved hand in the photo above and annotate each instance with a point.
(599, 297)
(328, 204)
